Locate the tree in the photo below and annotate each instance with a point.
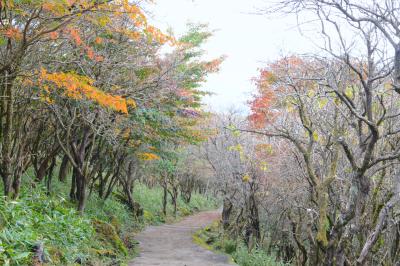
(28, 26)
(333, 115)
(84, 82)
(358, 74)
(239, 174)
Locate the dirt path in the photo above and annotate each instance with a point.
(172, 245)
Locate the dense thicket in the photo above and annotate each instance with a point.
(332, 119)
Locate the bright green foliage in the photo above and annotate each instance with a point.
(256, 257)
(196, 35)
(106, 210)
(37, 218)
(167, 166)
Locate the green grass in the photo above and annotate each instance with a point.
(256, 257)
(108, 210)
(36, 218)
(212, 238)
(151, 201)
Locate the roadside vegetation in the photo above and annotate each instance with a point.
(213, 238)
(49, 225)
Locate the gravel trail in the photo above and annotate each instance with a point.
(172, 244)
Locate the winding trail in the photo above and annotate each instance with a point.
(172, 244)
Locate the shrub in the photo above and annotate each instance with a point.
(229, 246)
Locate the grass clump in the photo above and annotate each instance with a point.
(255, 257)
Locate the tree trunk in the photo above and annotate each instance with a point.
(72, 192)
(62, 174)
(50, 175)
(16, 185)
(82, 193)
(44, 166)
(397, 69)
(255, 220)
(226, 213)
(8, 112)
(164, 202)
(374, 235)
(174, 197)
(186, 190)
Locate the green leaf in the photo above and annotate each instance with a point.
(21, 256)
(3, 41)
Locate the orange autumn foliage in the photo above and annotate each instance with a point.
(213, 65)
(74, 33)
(12, 33)
(104, 12)
(99, 58)
(90, 53)
(99, 13)
(268, 86)
(146, 156)
(98, 40)
(261, 111)
(53, 35)
(80, 87)
(138, 19)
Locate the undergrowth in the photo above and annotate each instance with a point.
(104, 235)
(212, 238)
(36, 219)
(151, 201)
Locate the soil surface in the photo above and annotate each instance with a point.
(172, 244)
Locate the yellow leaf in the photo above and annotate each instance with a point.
(246, 178)
(322, 103)
(264, 166)
(236, 133)
(349, 92)
(146, 156)
(315, 136)
(290, 107)
(103, 21)
(131, 102)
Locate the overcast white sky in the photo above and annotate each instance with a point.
(248, 41)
